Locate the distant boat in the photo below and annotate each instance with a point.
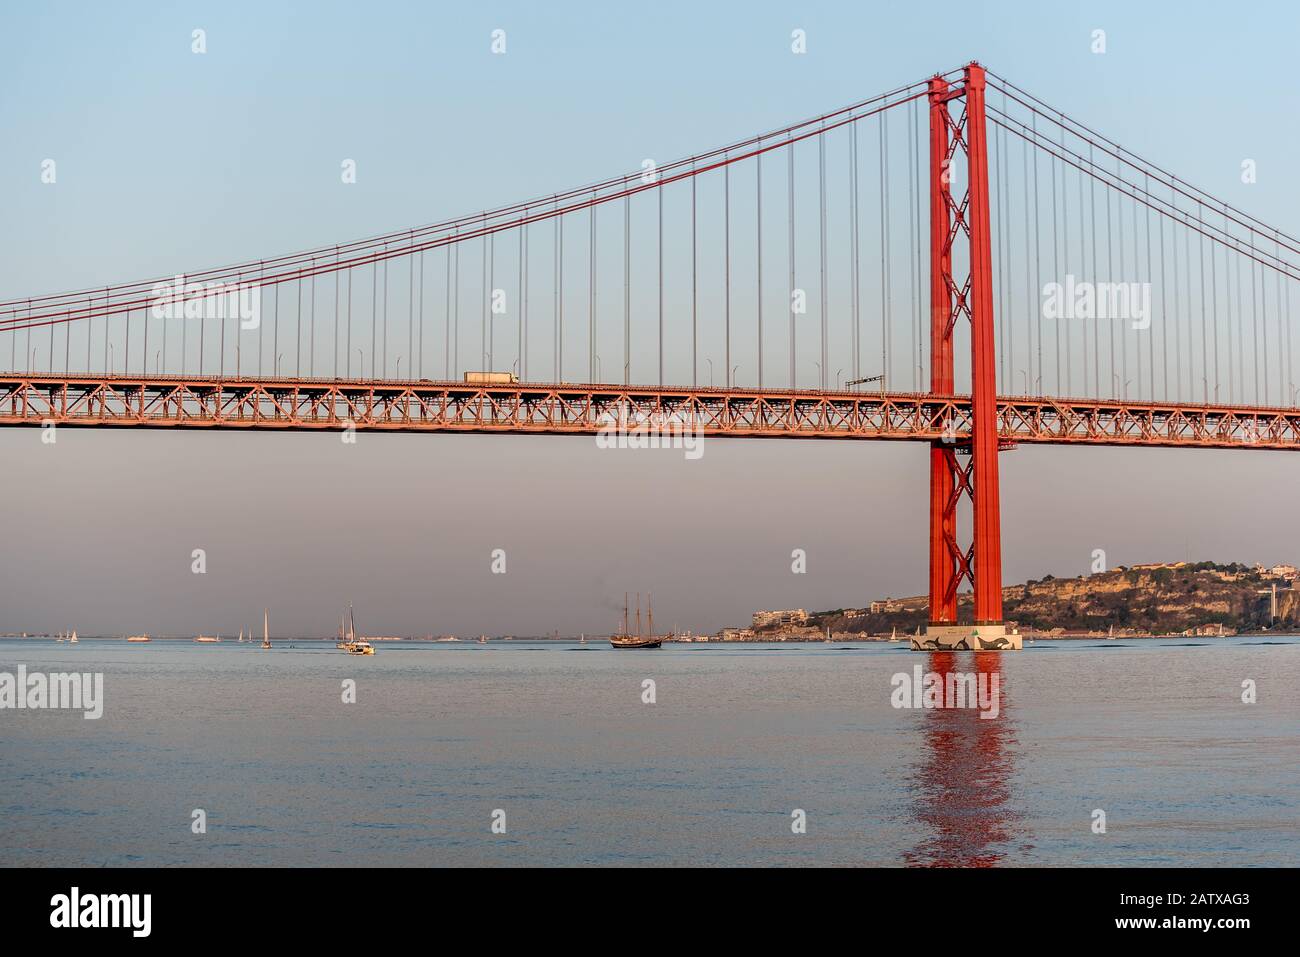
(241, 636)
(138, 638)
(266, 629)
(625, 638)
(482, 639)
(73, 639)
(352, 644)
(207, 639)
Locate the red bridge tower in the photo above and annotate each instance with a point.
(962, 226)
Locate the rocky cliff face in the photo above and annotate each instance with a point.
(1160, 600)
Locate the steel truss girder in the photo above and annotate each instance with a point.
(306, 404)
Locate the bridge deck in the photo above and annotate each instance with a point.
(569, 408)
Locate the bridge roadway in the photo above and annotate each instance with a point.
(205, 402)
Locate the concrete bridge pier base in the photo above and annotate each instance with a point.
(968, 638)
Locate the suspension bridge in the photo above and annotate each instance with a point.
(815, 281)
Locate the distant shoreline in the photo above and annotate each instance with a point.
(775, 640)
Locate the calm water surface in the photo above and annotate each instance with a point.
(555, 734)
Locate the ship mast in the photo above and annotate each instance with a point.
(650, 613)
(638, 614)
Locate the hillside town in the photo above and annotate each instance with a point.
(1155, 599)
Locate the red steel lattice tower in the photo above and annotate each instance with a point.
(953, 220)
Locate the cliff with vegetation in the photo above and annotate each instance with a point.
(1147, 599)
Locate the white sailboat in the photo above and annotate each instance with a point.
(266, 629)
(73, 639)
(352, 645)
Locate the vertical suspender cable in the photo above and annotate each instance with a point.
(726, 268)
(1096, 325)
(695, 303)
(336, 311)
(627, 289)
(297, 332)
(789, 150)
(758, 268)
(1038, 275)
(882, 140)
(1065, 246)
(821, 225)
(1056, 274)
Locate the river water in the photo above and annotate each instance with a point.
(558, 736)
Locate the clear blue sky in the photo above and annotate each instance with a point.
(168, 161)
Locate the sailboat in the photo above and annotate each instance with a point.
(266, 630)
(73, 639)
(354, 645)
(893, 636)
(241, 636)
(60, 638)
(625, 638)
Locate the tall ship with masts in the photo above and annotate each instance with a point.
(626, 639)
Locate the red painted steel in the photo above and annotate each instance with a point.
(984, 431)
(579, 409)
(943, 456)
(949, 481)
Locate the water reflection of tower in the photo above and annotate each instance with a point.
(962, 787)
